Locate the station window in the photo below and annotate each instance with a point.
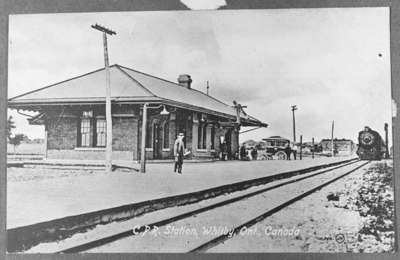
(87, 114)
(202, 136)
(213, 138)
(166, 135)
(199, 132)
(149, 136)
(101, 132)
(85, 132)
(92, 130)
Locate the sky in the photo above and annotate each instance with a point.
(204, 4)
(334, 64)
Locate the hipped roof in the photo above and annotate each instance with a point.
(127, 85)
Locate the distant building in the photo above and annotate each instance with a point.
(73, 113)
(342, 146)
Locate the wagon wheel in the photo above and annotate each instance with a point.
(266, 157)
(281, 155)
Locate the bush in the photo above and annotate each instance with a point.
(16, 140)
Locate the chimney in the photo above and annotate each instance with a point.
(185, 81)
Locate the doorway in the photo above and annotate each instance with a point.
(228, 141)
(157, 141)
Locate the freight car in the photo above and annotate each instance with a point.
(370, 145)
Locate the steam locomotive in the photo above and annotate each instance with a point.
(370, 145)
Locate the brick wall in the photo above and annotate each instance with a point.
(62, 133)
(88, 154)
(125, 134)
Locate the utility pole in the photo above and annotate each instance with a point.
(239, 110)
(143, 146)
(332, 149)
(106, 31)
(294, 107)
(313, 148)
(208, 87)
(386, 141)
(301, 147)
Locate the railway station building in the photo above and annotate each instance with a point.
(73, 115)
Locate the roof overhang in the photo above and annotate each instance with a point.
(37, 120)
(254, 123)
(39, 105)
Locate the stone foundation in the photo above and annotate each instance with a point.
(88, 155)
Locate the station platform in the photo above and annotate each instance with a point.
(13, 162)
(40, 194)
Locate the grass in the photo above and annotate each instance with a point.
(25, 148)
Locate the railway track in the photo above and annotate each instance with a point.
(220, 239)
(213, 211)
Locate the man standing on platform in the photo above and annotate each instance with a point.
(179, 149)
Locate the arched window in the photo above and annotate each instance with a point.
(199, 133)
(202, 136)
(166, 135)
(212, 138)
(149, 136)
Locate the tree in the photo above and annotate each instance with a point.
(16, 140)
(10, 126)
